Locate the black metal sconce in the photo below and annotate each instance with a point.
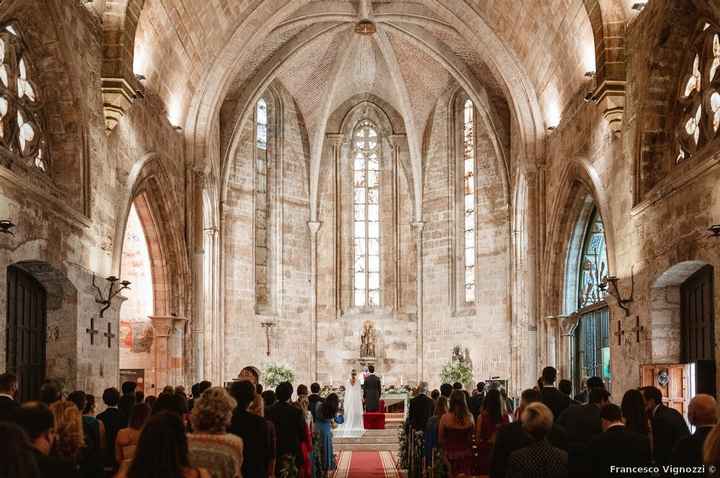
(714, 230)
(615, 292)
(6, 227)
(106, 301)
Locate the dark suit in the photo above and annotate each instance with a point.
(314, 400)
(254, 432)
(618, 447)
(8, 409)
(555, 400)
(419, 411)
(52, 467)
(476, 403)
(511, 438)
(668, 428)
(126, 405)
(290, 427)
(371, 392)
(114, 421)
(538, 460)
(689, 450)
(582, 423)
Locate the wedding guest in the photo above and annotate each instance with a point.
(306, 445)
(633, 411)
(490, 420)
(431, 429)
(38, 422)
(68, 429)
(139, 396)
(617, 446)
(8, 389)
(540, 459)
(459, 386)
(50, 392)
(16, 455)
(565, 387)
(150, 401)
(170, 402)
(668, 425)
(91, 462)
(435, 394)
(253, 430)
(113, 420)
(314, 399)
(455, 435)
(420, 408)
(555, 400)
(324, 425)
(582, 423)
(89, 409)
(476, 400)
(127, 400)
(269, 399)
(127, 438)
(702, 413)
(250, 373)
(289, 426)
(162, 451)
(590, 383)
(446, 390)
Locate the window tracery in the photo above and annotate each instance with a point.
(700, 95)
(21, 133)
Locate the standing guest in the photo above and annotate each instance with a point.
(91, 463)
(302, 391)
(633, 410)
(211, 446)
(8, 390)
(555, 400)
(50, 392)
(323, 449)
(289, 426)
(139, 396)
(702, 413)
(590, 383)
(68, 429)
(127, 401)
(127, 438)
(257, 453)
(197, 390)
(420, 408)
(257, 407)
(565, 387)
(668, 426)
(455, 434)
(435, 394)
(180, 390)
(617, 446)
(113, 420)
(306, 445)
(490, 420)
(476, 400)
(314, 399)
(250, 373)
(512, 437)
(89, 409)
(446, 390)
(16, 455)
(170, 402)
(269, 399)
(431, 430)
(459, 386)
(150, 401)
(540, 459)
(38, 422)
(162, 451)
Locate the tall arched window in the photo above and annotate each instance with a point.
(469, 199)
(262, 205)
(366, 215)
(21, 133)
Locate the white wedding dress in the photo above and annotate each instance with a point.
(352, 411)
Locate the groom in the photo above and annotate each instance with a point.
(371, 391)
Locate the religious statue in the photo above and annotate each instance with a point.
(367, 340)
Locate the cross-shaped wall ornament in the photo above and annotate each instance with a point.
(92, 331)
(619, 333)
(109, 335)
(637, 329)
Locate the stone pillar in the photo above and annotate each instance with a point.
(397, 141)
(168, 349)
(566, 327)
(198, 322)
(336, 142)
(420, 348)
(314, 227)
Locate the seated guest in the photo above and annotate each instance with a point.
(590, 383)
(582, 423)
(490, 420)
(565, 387)
(314, 398)
(455, 435)
(668, 425)
(8, 390)
(253, 431)
(512, 437)
(323, 436)
(162, 451)
(91, 463)
(555, 400)
(633, 410)
(38, 422)
(617, 446)
(16, 455)
(289, 427)
(477, 399)
(68, 428)
(431, 430)
(211, 447)
(113, 420)
(702, 413)
(127, 438)
(127, 401)
(420, 408)
(539, 459)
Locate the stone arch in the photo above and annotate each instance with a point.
(120, 20)
(608, 19)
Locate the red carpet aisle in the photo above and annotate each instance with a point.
(366, 464)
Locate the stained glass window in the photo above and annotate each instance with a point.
(469, 199)
(20, 124)
(699, 100)
(593, 263)
(366, 215)
(262, 205)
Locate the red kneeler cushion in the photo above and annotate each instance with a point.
(374, 420)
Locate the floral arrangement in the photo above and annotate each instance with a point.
(390, 389)
(458, 369)
(275, 374)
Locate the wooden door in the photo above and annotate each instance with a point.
(671, 379)
(26, 331)
(697, 317)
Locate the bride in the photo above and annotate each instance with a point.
(352, 408)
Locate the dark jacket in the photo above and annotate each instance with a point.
(476, 403)
(419, 411)
(689, 450)
(511, 438)
(52, 467)
(125, 405)
(555, 400)
(8, 409)
(668, 428)
(313, 402)
(582, 423)
(618, 447)
(254, 432)
(538, 460)
(114, 421)
(371, 392)
(290, 428)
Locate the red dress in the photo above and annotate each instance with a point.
(486, 441)
(457, 447)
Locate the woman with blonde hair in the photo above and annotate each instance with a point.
(69, 431)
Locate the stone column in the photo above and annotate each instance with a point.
(397, 141)
(552, 340)
(566, 326)
(314, 227)
(420, 348)
(168, 332)
(336, 142)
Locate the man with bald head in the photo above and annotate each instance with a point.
(702, 413)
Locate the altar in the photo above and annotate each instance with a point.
(396, 402)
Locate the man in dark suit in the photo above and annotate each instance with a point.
(289, 424)
(668, 426)
(476, 401)
(555, 400)
(371, 391)
(8, 389)
(565, 387)
(702, 413)
(38, 422)
(616, 446)
(539, 458)
(512, 437)
(582, 423)
(127, 401)
(314, 399)
(253, 430)
(114, 420)
(590, 383)
(420, 409)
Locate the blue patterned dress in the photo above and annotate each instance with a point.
(323, 448)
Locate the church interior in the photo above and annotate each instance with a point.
(310, 186)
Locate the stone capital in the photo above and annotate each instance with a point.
(398, 140)
(314, 226)
(568, 324)
(118, 93)
(163, 325)
(335, 139)
(418, 225)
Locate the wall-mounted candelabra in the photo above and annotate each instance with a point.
(6, 227)
(106, 299)
(610, 283)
